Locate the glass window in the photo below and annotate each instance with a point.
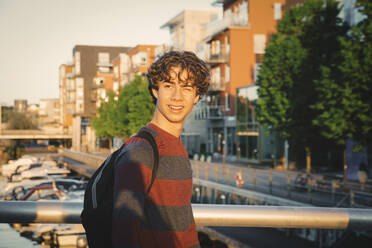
(256, 71)
(227, 101)
(259, 43)
(77, 63)
(104, 58)
(277, 11)
(227, 73)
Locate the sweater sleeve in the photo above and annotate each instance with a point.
(131, 180)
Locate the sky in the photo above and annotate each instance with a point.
(37, 36)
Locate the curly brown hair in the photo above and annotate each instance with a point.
(197, 71)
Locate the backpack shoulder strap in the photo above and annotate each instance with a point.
(148, 136)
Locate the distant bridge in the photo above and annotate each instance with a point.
(32, 134)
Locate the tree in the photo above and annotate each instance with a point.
(299, 61)
(125, 115)
(19, 121)
(135, 107)
(105, 124)
(357, 77)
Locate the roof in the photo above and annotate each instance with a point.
(175, 20)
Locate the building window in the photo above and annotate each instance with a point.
(116, 87)
(116, 71)
(259, 43)
(104, 58)
(77, 63)
(243, 17)
(139, 59)
(257, 67)
(277, 11)
(227, 73)
(227, 101)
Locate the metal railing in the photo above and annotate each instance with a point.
(205, 215)
(287, 184)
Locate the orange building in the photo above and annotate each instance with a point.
(121, 70)
(141, 57)
(236, 47)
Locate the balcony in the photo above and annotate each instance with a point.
(70, 75)
(221, 25)
(104, 64)
(215, 112)
(222, 56)
(217, 86)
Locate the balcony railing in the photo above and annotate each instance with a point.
(220, 25)
(205, 215)
(222, 56)
(217, 85)
(215, 112)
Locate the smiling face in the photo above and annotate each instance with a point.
(175, 100)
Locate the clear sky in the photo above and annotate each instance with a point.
(37, 36)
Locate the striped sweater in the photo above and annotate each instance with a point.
(164, 218)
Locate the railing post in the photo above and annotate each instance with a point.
(333, 192)
(206, 171)
(352, 200)
(254, 179)
(217, 168)
(271, 181)
(197, 190)
(228, 175)
(289, 185)
(309, 187)
(196, 169)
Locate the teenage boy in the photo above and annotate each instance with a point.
(164, 217)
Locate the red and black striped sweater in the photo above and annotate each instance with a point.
(164, 218)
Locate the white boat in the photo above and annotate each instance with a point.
(61, 234)
(44, 172)
(11, 168)
(14, 189)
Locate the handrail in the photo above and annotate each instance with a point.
(205, 215)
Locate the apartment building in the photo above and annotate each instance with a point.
(236, 45)
(66, 97)
(103, 82)
(49, 115)
(20, 105)
(121, 70)
(187, 30)
(79, 83)
(141, 57)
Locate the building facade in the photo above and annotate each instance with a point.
(187, 30)
(236, 45)
(66, 97)
(49, 115)
(140, 57)
(79, 90)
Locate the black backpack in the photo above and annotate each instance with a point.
(96, 216)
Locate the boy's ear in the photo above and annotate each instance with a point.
(196, 99)
(155, 93)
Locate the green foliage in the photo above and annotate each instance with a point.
(135, 107)
(300, 74)
(357, 71)
(105, 124)
(19, 121)
(126, 115)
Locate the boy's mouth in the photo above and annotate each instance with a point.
(176, 108)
